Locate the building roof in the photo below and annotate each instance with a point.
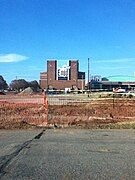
(121, 78)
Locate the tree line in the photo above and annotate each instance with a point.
(18, 85)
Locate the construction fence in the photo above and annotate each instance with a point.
(44, 110)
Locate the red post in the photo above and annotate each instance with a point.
(45, 103)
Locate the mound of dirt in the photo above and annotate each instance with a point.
(27, 91)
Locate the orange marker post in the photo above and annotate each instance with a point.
(45, 103)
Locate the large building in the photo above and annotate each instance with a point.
(67, 76)
(119, 81)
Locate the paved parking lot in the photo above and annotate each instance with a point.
(67, 154)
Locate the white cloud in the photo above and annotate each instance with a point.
(114, 60)
(8, 58)
(114, 68)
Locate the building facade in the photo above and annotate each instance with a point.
(67, 76)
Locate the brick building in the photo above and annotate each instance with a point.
(68, 76)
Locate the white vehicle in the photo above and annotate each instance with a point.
(67, 90)
(119, 90)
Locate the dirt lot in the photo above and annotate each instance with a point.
(97, 113)
(101, 113)
(22, 116)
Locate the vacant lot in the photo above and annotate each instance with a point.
(24, 111)
(95, 113)
(21, 115)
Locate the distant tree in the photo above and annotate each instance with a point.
(105, 79)
(34, 85)
(19, 84)
(3, 84)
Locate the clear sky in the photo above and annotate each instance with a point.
(32, 31)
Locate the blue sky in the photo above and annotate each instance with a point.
(32, 31)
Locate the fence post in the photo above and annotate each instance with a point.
(113, 100)
(45, 104)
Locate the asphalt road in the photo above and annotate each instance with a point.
(66, 154)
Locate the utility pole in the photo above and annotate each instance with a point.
(82, 83)
(88, 86)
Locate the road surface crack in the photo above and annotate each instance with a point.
(8, 158)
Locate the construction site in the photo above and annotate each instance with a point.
(97, 111)
(67, 101)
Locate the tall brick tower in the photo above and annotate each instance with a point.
(73, 75)
(51, 72)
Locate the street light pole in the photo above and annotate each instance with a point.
(88, 86)
(82, 83)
